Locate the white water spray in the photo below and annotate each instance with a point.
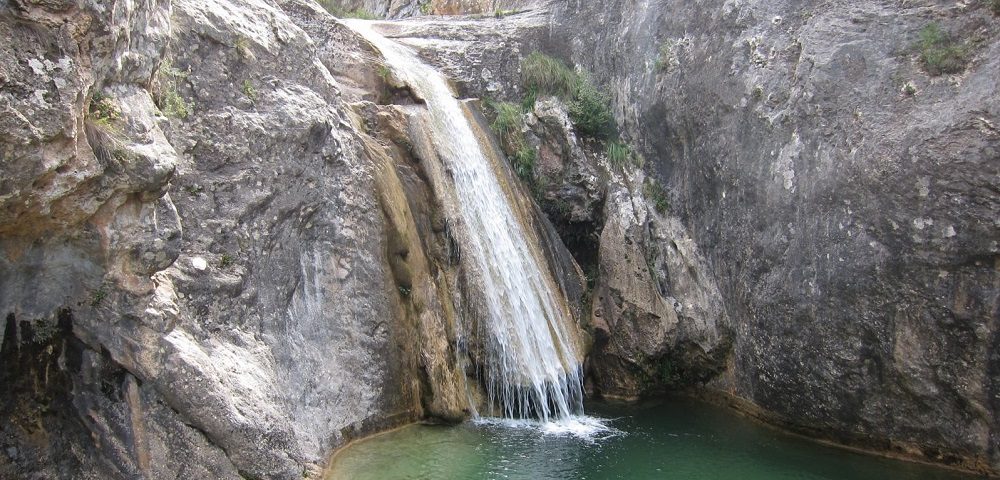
(533, 362)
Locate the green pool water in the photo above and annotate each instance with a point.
(675, 439)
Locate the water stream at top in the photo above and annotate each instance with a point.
(532, 369)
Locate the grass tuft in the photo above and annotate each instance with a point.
(619, 153)
(940, 53)
(507, 124)
(549, 76)
(588, 107)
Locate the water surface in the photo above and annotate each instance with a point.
(671, 439)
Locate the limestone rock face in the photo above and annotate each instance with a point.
(196, 260)
(843, 199)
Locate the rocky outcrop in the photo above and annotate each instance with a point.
(843, 198)
(643, 268)
(231, 258)
(201, 248)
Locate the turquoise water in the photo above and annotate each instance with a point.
(675, 439)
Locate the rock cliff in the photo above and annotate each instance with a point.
(843, 193)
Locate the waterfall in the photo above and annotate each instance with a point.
(532, 365)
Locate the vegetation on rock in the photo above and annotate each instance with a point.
(656, 194)
(166, 97)
(341, 12)
(507, 124)
(939, 52)
(589, 107)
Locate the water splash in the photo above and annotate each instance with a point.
(587, 428)
(532, 369)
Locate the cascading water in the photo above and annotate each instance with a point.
(533, 362)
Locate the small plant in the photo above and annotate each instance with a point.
(426, 8)
(341, 12)
(754, 45)
(500, 13)
(994, 6)
(758, 92)
(588, 107)
(667, 59)
(102, 109)
(508, 121)
(544, 74)
(939, 53)
(656, 194)
(104, 131)
(909, 89)
(384, 72)
(226, 261)
(98, 296)
(242, 46)
(530, 97)
(194, 190)
(524, 161)
(507, 124)
(249, 91)
(619, 153)
(121, 155)
(168, 100)
(590, 111)
(405, 291)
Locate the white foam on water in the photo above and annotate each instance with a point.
(583, 427)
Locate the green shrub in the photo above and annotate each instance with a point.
(103, 109)
(530, 97)
(340, 12)
(508, 121)
(994, 6)
(656, 194)
(590, 111)
(550, 76)
(619, 153)
(384, 72)
(524, 161)
(167, 99)
(588, 107)
(939, 53)
(249, 91)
